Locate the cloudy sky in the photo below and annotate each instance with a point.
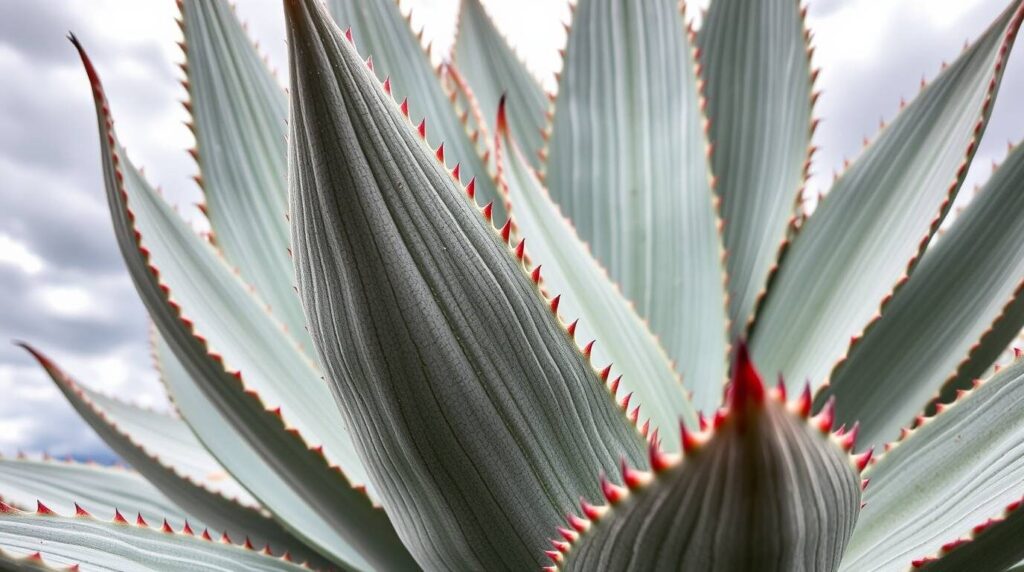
(62, 282)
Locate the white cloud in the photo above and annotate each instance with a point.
(16, 254)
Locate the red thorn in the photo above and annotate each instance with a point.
(79, 511)
(348, 35)
(577, 523)
(689, 441)
(404, 107)
(702, 422)
(572, 327)
(864, 484)
(591, 511)
(554, 308)
(521, 248)
(422, 128)
(554, 555)
(746, 386)
(502, 121)
(387, 85)
(632, 477)
(827, 416)
(43, 509)
(119, 518)
(187, 529)
(166, 528)
(588, 349)
(604, 373)
(206, 535)
(780, 389)
(35, 556)
(535, 275)
(645, 428)
(614, 385)
(440, 153)
(560, 545)
(659, 460)
(803, 405)
(567, 534)
(139, 521)
(248, 544)
(863, 459)
(471, 188)
(849, 440)
(225, 538)
(488, 211)
(457, 171)
(369, 63)
(611, 491)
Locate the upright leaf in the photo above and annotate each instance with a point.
(938, 487)
(628, 165)
(636, 364)
(867, 235)
(479, 420)
(31, 541)
(380, 30)
(239, 113)
(765, 489)
(242, 360)
(95, 488)
(756, 61)
(492, 69)
(974, 274)
(164, 450)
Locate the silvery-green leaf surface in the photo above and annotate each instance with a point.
(973, 273)
(99, 545)
(628, 165)
(756, 64)
(951, 474)
(293, 511)
(479, 419)
(765, 489)
(239, 112)
(242, 360)
(166, 452)
(381, 31)
(96, 488)
(569, 270)
(492, 69)
(865, 236)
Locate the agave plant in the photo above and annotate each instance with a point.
(433, 398)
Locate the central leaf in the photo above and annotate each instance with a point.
(480, 421)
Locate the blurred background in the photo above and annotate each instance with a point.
(63, 286)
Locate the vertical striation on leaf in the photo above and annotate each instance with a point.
(478, 418)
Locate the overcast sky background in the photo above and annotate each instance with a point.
(63, 286)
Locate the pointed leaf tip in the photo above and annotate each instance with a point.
(745, 386)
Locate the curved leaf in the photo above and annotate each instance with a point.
(97, 489)
(239, 112)
(219, 332)
(756, 61)
(587, 294)
(166, 452)
(867, 235)
(479, 419)
(492, 69)
(993, 545)
(28, 541)
(971, 272)
(628, 166)
(953, 473)
(765, 489)
(293, 511)
(379, 28)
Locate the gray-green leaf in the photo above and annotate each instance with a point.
(973, 273)
(867, 234)
(765, 489)
(479, 419)
(628, 165)
(754, 56)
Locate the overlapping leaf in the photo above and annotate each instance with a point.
(587, 294)
(628, 166)
(866, 235)
(294, 512)
(755, 60)
(239, 112)
(492, 69)
(931, 491)
(220, 333)
(478, 418)
(381, 31)
(764, 490)
(30, 541)
(973, 273)
(97, 489)
(166, 452)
